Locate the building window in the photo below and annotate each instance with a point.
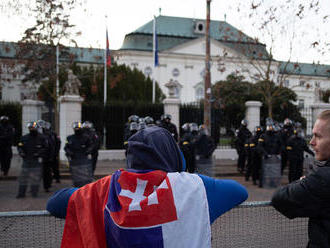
(147, 71)
(301, 103)
(302, 83)
(286, 83)
(199, 93)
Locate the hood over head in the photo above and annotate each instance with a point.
(154, 148)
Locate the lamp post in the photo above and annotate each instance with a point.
(207, 79)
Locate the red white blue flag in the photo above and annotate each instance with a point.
(108, 57)
(157, 209)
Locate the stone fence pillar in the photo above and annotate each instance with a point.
(317, 108)
(70, 111)
(252, 114)
(172, 107)
(31, 111)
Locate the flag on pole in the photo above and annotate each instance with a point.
(108, 57)
(155, 44)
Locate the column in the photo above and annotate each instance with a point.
(31, 111)
(172, 107)
(70, 111)
(252, 114)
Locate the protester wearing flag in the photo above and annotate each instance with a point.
(152, 203)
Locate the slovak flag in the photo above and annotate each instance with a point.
(156, 209)
(108, 57)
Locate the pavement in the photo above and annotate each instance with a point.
(224, 169)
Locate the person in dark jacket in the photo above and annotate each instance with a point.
(96, 143)
(167, 124)
(285, 133)
(152, 203)
(310, 196)
(78, 150)
(242, 137)
(187, 147)
(7, 133)
(33, 148)
(269, 146)
(296, 145)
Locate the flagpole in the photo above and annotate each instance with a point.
(154, 59)
(105, 87)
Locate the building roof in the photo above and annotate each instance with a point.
(173, 31)
(81, 55)
(304, 69)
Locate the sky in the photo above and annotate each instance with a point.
(124, 16)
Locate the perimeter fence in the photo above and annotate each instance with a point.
(252, 224)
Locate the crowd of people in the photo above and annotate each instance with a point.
(263, 155)
(40, 148)
(195, 142)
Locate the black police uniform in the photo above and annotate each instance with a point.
(204, 148)
(167, 124)
(78, 148)
(33, 148)
(285, 133)
(296, 145)
(48, 162)
(7, 133)
(269, 145)
(187, 147)
(96, 143)
(242, 136)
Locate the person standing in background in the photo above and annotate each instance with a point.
(7, 133)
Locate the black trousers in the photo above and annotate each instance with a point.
(5, 158)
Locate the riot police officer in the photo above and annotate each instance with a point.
(47, 163)
(243, 135)
(133, 128)
(131, 118)
(285, 133)
(187, 147)
(7, 133)
(204, 148)
(96, 143)
(269, 145)
(149, 121)
(296, 145)
(167, 124)
(54, 159)
(254, 157)
(33, 148)
(78, 150)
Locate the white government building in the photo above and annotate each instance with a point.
(181, 51)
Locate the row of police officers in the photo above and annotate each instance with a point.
(40, 152)
(264, 155)
(196, 144)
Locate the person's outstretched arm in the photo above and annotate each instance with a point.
(58, 203)
(223, 195)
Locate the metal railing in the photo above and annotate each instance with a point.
(252, 224)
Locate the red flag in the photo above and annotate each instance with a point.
(108, 57)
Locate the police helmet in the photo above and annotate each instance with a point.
(87, 125)
(287, 122)
(185, 127)
(258, 129)
(76, 125)
(270, 127)
(166, 117)
(41, 123)
(48, 126)
(133, 118)
(4, 118)
(142, 125)
(148, 120)
(244, 122)
(32, 126)
(133, 126)
(193, 127)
